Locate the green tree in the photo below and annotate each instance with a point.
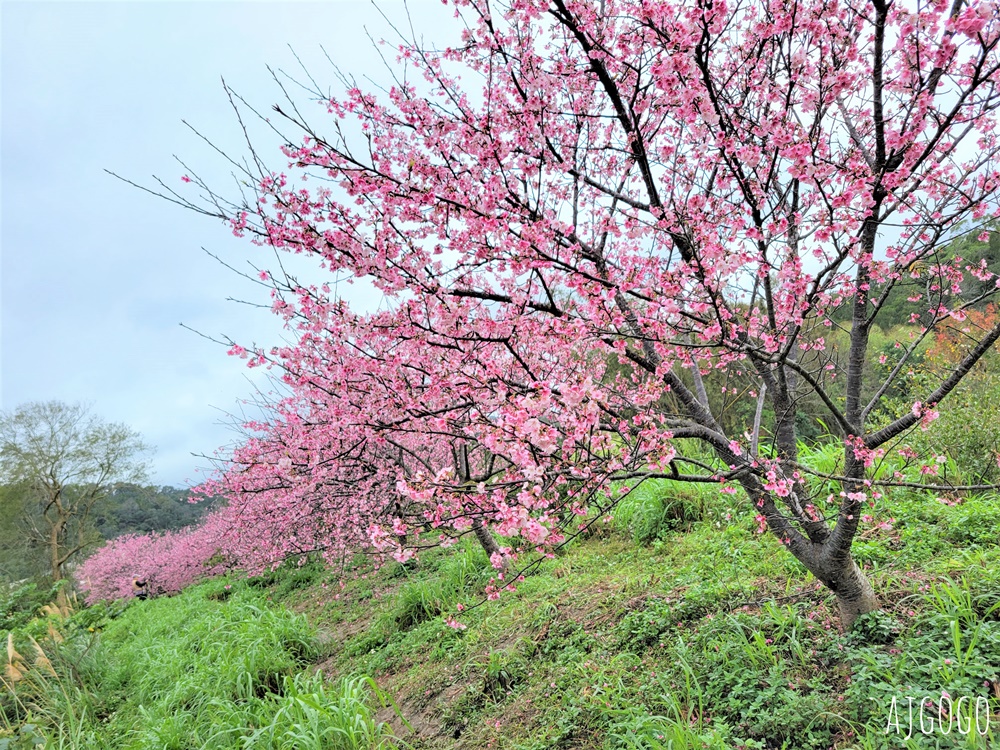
(20, 556)
(65, 460)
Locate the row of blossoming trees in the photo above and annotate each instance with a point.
(579, 216)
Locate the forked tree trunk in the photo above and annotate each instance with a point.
(842, 576)
(826, 553)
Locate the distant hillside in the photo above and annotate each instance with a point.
(129, 509)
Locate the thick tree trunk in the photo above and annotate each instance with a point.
(824, 553)
(850, 585)
(855, 596)
(840, 574)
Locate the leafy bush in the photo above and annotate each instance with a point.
(975, 521)
(967, 430)
(20, 603)
(655, 508)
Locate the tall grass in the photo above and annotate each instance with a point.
(314, 715)
(216, 668)
(658, 507)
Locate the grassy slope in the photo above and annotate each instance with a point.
(674, 626)
(709, 636)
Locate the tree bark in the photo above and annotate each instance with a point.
(855, 596)
(841, 575)
(488, 543)
(55, 546)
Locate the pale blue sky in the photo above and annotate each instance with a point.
(96, 276)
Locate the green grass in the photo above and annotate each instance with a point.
(217, 667)
(706, 635)
(672, 626)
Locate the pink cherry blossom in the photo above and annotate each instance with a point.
(631, 199)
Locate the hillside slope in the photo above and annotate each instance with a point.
(681, 628)
(674, 626)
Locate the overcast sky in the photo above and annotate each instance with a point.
(97, 277)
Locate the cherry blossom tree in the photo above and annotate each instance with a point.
(328, 471)
(167, 561)
(583, 209)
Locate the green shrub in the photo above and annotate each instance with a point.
(656, 508)
(968, 428)
(974, 521)
(20, 603)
